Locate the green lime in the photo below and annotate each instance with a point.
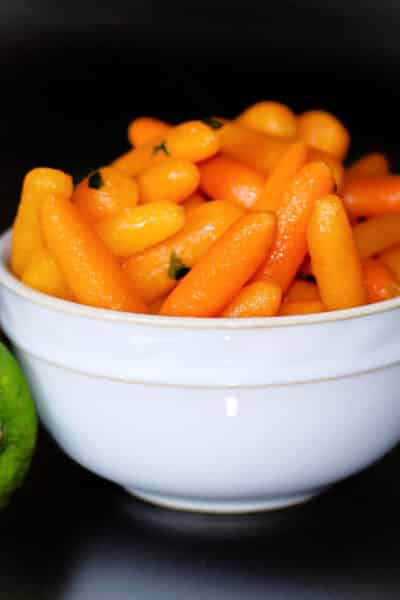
(18, 425)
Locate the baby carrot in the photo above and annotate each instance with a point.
(313, 181)
(372, 195)
(380, 281)
(158, 269)
(135, 229)
(258, 299)
(391, 258)
(256, 149)
(91, 272)
(324, 131)
(333, 163)
(144, 130)
(376, 234)
(270, 117)
(302, 290)
(224, 178)
(104, 193)
(301, 307)
(335, 259)
(38, 184)
(288, 165)
(370, 164)
(172, 180)
(193, 202)
(194, 141)
(43, 274)
(219, 275)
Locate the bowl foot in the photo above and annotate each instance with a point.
(222, 506)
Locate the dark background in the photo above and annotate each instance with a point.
(72, 74)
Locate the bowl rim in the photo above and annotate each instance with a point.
(10, 282)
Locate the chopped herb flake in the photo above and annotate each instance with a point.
(212, 122)
(161, 147)
(177, 268)
(95, 180)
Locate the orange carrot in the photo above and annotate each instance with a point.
(334, 256)
(323, 131)
(258, 299)
(228, 265)
(194, 141)
(90, 271)
(372, 195)
(333, 163)
(172, 180)
(104, 193)
(224, 178)
(288, 165)
(313, 181)
(270, 117)
(144, 130)
(158, 269)
(43, 274)
(256, 149)
(380, 281)
(301, 307)
(376, 234)
(27, 237)
(302, 290)
(370, 164)
(193, 202)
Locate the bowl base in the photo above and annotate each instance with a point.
(223, 506)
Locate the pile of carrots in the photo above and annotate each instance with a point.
(251, 217)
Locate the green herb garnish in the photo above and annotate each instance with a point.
(95, 180)
(161, 147)
(212, 122)
(177, 268)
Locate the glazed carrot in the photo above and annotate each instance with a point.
(135, 229)
(380, 281)
(173, 180)
(157, 270)
(370, 164)
(335, 259)
(372, 195)
(43, 274)
(324, 131)
(301, 307)
(224, 178)
(377, 234)
(256, 149)
(333, 163)
(391, 258)
(90, 271)
(194, 141)
(193, 202)
(219, 275)
(104, 193)
(288, 165)
(258, 299)
(38, 184)
(270, 117)
(302, 290)
(144, 130)
(313, 181)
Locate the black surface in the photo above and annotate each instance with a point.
(70, 536)
(72, 74)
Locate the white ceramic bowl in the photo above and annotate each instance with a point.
(210, 414)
